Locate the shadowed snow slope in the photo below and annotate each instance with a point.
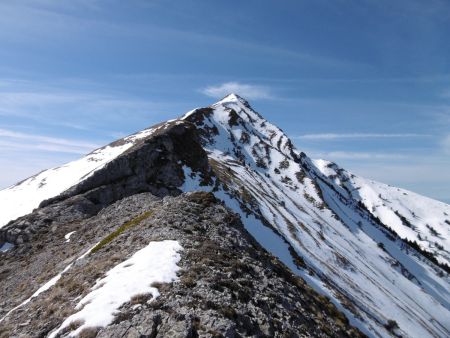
(411, 216)
(380, 253)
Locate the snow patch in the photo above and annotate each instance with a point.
(67, 236)
(156, 263)
(192, 181)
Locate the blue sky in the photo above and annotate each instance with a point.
(363, 83)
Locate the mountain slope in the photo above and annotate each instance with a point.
(335, 230)
(336, 239)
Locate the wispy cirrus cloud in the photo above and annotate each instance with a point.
(445, 93)
(27, 102)
(446, 144)
(55, 19)
(10, 139)
(336, 136)
(70, 108)
(248, 91)
(354, 155)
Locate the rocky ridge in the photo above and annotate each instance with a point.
(229, 286)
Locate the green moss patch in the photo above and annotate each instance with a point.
(121, 230)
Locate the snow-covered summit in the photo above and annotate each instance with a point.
(232, 98)
(339, 246)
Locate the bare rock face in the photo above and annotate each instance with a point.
(228, 285)
(45, 220)
(155, 165)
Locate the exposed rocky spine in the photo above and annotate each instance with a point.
(228, 286)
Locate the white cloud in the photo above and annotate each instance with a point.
(247, 91)
(334, 136)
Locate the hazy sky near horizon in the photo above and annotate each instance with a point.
(363, 83)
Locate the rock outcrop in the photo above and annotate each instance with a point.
(154, 164)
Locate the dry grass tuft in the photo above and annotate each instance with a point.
(89, 332)
(141, 298)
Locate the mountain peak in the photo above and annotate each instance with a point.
(233, 98)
